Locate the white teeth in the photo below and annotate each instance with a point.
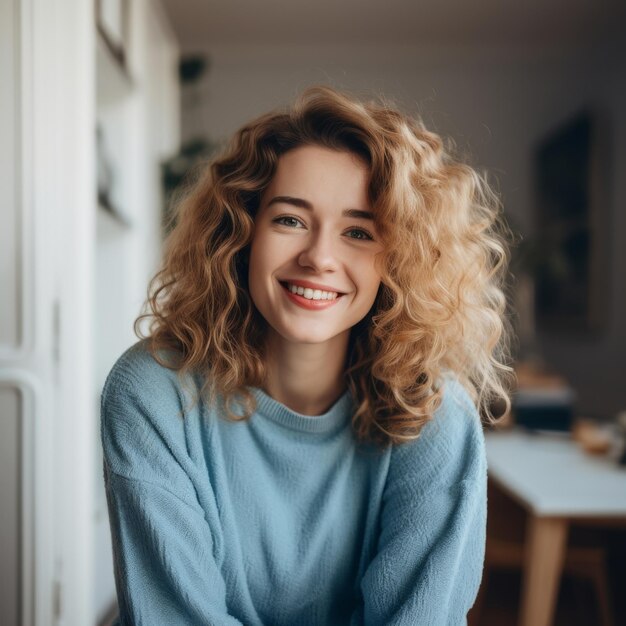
(312, 294)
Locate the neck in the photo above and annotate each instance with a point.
(307, 378)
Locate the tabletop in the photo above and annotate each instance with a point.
(552, 476)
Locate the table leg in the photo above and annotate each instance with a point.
(543, 562)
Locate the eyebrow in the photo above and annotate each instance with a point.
(305, 204)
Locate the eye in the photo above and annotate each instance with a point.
(359, 233)
(287, 220)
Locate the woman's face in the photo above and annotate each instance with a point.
(312, 273)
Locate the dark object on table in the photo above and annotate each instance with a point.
(544, 409)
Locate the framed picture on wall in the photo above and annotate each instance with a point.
(571, 225)
(112, 17)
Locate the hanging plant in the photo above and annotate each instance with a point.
(179, 167)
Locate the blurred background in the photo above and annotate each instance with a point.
(106, 105)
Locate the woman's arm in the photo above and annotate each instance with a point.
(428, 565)
(165, 570)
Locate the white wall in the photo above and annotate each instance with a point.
(495, 104)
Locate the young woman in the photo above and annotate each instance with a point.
(298, 439)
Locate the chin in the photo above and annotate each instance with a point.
(308, 335)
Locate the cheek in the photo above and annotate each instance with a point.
(265, 260)
(259, 255)
(269, 253)
(371, 276)
(372, 292)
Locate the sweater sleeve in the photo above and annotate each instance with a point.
(429, 559)
(165, 571)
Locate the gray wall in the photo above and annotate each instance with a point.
(494, 103)
(596, 364)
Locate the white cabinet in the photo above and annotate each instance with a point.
(72, 281)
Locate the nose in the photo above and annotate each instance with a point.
(319, 253)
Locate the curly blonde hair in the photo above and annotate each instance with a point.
(440, 307)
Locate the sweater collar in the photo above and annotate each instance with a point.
(333, 420)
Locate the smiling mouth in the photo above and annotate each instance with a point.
(311, 294)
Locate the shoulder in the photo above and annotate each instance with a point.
(450, 447)
(142, 409)
(456, 424)
(138, 372)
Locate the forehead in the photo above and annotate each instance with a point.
(322, 175)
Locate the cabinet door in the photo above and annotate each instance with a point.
(18, 383)
(28, 322)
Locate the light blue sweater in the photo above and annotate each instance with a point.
(283, 520)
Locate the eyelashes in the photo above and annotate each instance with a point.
(364, 234)
(286, 218)
(292, 222)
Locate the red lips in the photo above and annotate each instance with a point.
(311, 305)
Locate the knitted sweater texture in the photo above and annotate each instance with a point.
(283, 520)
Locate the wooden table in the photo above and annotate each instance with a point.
(556, 483)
